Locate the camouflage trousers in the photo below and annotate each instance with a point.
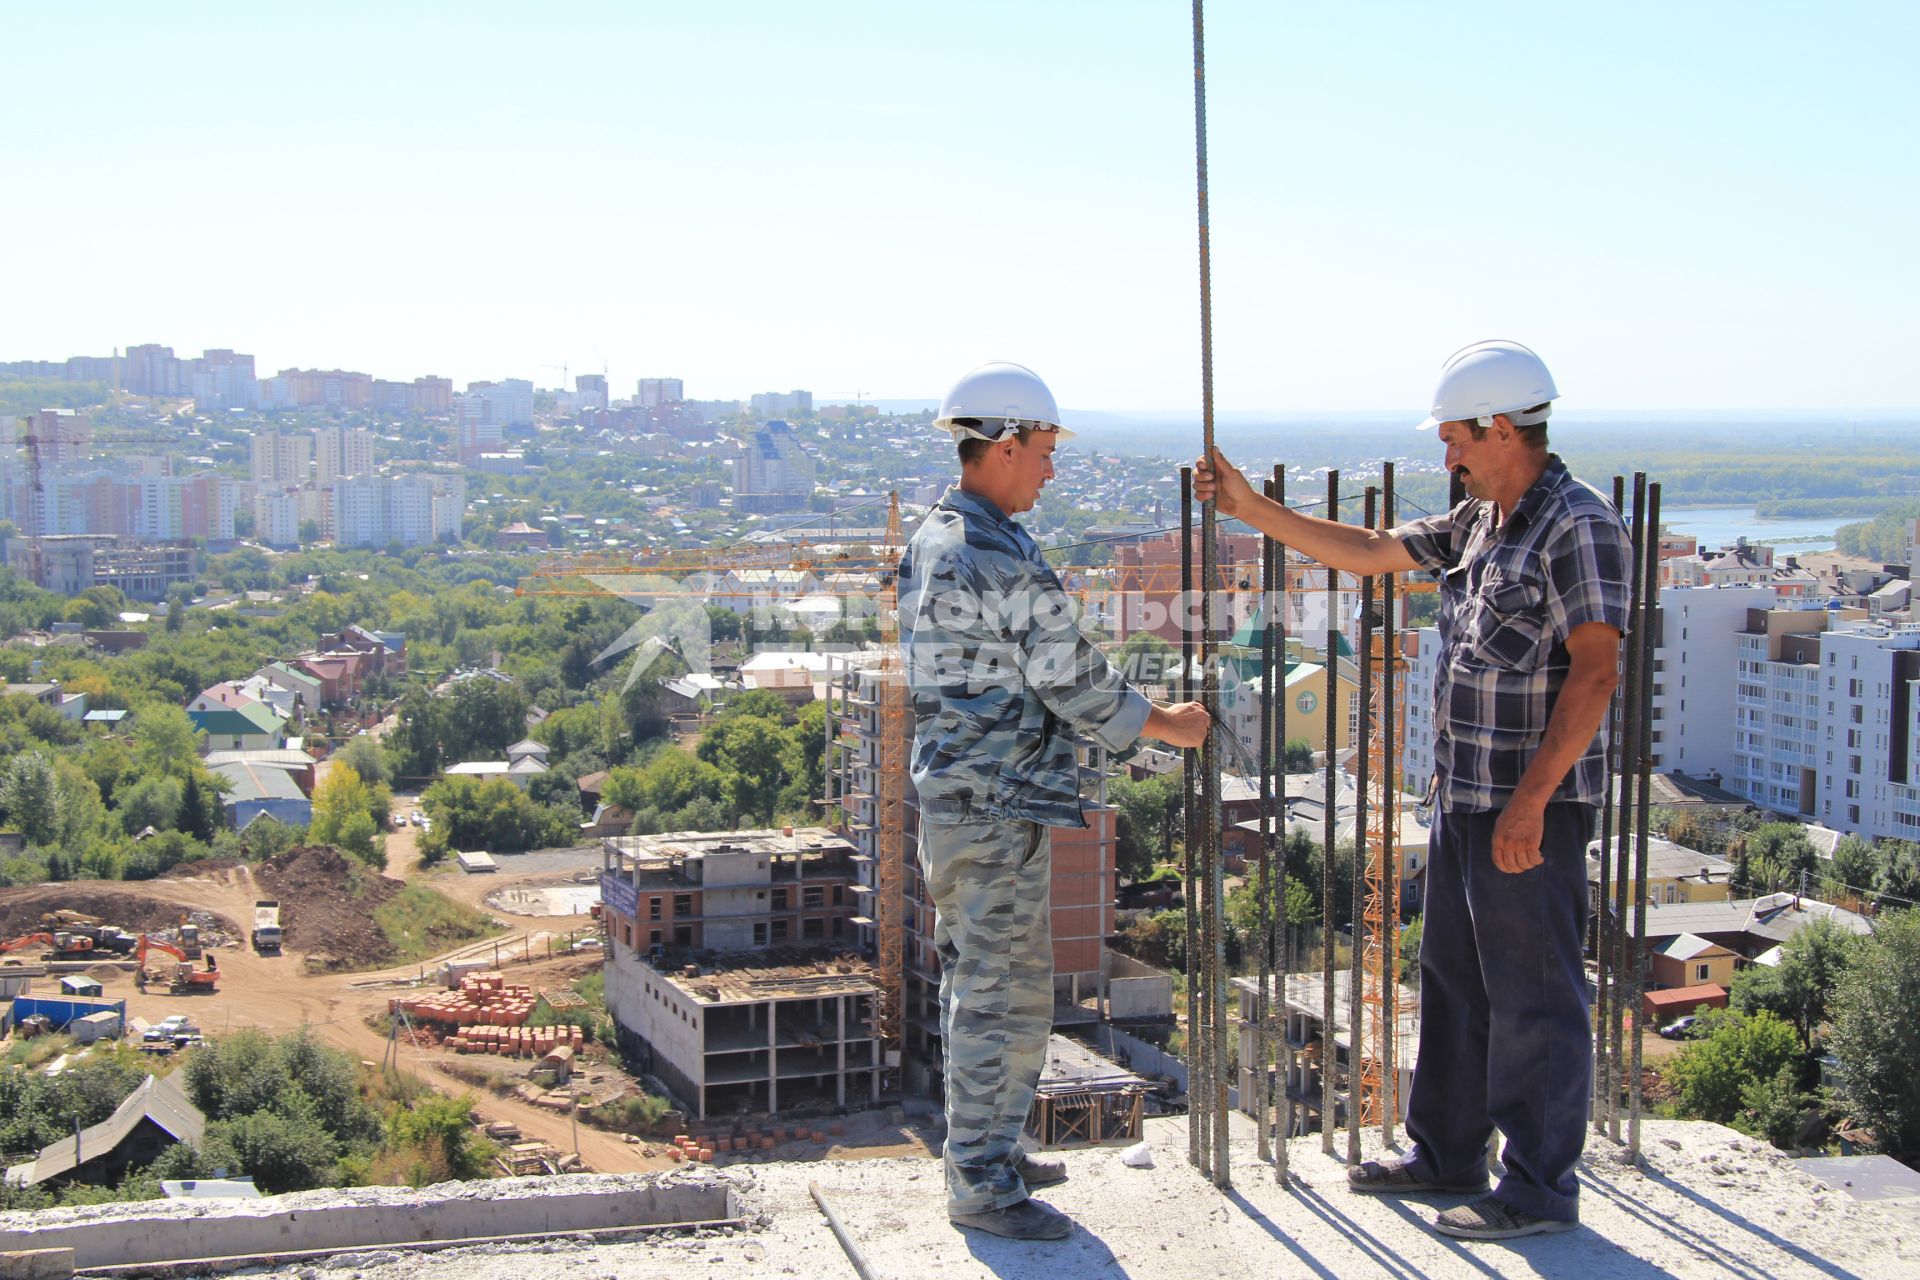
(991, 885)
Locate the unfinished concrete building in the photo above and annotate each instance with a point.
(1302, 1021)
(1082, 889)
(688, 891)
(727, 972)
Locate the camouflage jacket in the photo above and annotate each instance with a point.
(1001, 679)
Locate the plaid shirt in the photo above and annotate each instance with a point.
(1509, 596)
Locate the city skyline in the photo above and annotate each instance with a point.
(1681, 209)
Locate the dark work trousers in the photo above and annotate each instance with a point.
(1505, 1040)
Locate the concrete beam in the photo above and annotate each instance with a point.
(169, 1231)
(36, 1264)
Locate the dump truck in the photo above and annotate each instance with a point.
(266, 925)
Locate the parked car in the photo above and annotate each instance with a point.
(1679, 1028)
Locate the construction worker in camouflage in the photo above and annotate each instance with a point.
(1003, 685)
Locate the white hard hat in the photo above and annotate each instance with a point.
(990, 399)
(1495, 376)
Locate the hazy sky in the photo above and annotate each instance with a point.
(1679, 205)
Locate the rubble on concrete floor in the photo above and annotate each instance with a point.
(1710, 1204)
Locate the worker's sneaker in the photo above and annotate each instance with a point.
(1027, 1220)
(1489, 1219)
(1041, 1171)
(1396, 1177)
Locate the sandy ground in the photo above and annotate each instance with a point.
(276, 994)
(1708, 1204)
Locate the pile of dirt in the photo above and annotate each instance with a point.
(111, 902)
(327, 901)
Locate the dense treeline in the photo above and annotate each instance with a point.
(1882, 539)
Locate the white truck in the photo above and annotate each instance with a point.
(266, 925)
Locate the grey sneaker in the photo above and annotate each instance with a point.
(1490, 1219)
(1395, 1177)
(1037, 1170)
(1027, 1220)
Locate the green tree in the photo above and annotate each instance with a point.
(342, 816)
(285, 1148)
(1146, 821)
(1799, 989)
(153, 801)
(1849, 875)
(441, 1128)
(1144, 658)
(362, 754)
(1712, 1073)
(1776, 854)
(747, 750)
(200, 809)
(30, 795)
(764, 703)
(1876, 1034)
(1898, 881)
(165, 741)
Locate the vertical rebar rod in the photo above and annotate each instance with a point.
(1209, 675)
(1389, 823)
(1328, 1049)
(1189, 776)
(1283, 951)
(1626, 991)
(1258, 1096)
(1649, 615)
(1604, 994)
(1362, 850)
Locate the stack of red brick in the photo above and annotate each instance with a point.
(515, 1042)
(483, 998)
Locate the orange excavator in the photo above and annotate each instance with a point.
(182, 977)
(60, 946)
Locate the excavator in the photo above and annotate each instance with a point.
(60, 946)
(181, 978)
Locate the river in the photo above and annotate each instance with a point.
(1722, 526)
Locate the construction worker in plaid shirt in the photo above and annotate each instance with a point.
(1533, 571)
(1003, 686)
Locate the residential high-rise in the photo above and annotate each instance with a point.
(591, 388)
(1869, 744)
(276, 517)
(281, 460)
(508, 403)
(375, 511)
(341, 451)
(654, 392)
(222, 379)
(783, 404)
(773, 471)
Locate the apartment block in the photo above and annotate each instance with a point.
(1777, 708)
(341, 451)
(773, 471)
(281, 460)
(1694, 677)
(783, 404)
(1869, 745)
(728, 971)
(374, 511)
(651, 393)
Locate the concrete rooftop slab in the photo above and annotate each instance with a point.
(1711, 1204)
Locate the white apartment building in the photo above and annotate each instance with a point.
(783, 404)
(1693, 675)
(1777, 708)
(281, 460)
(772, 464)
(374, 511)
(276, 517)
(507, 403)
(1869, 738)
(341, 451)
(1421, 650)
(654, 392)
